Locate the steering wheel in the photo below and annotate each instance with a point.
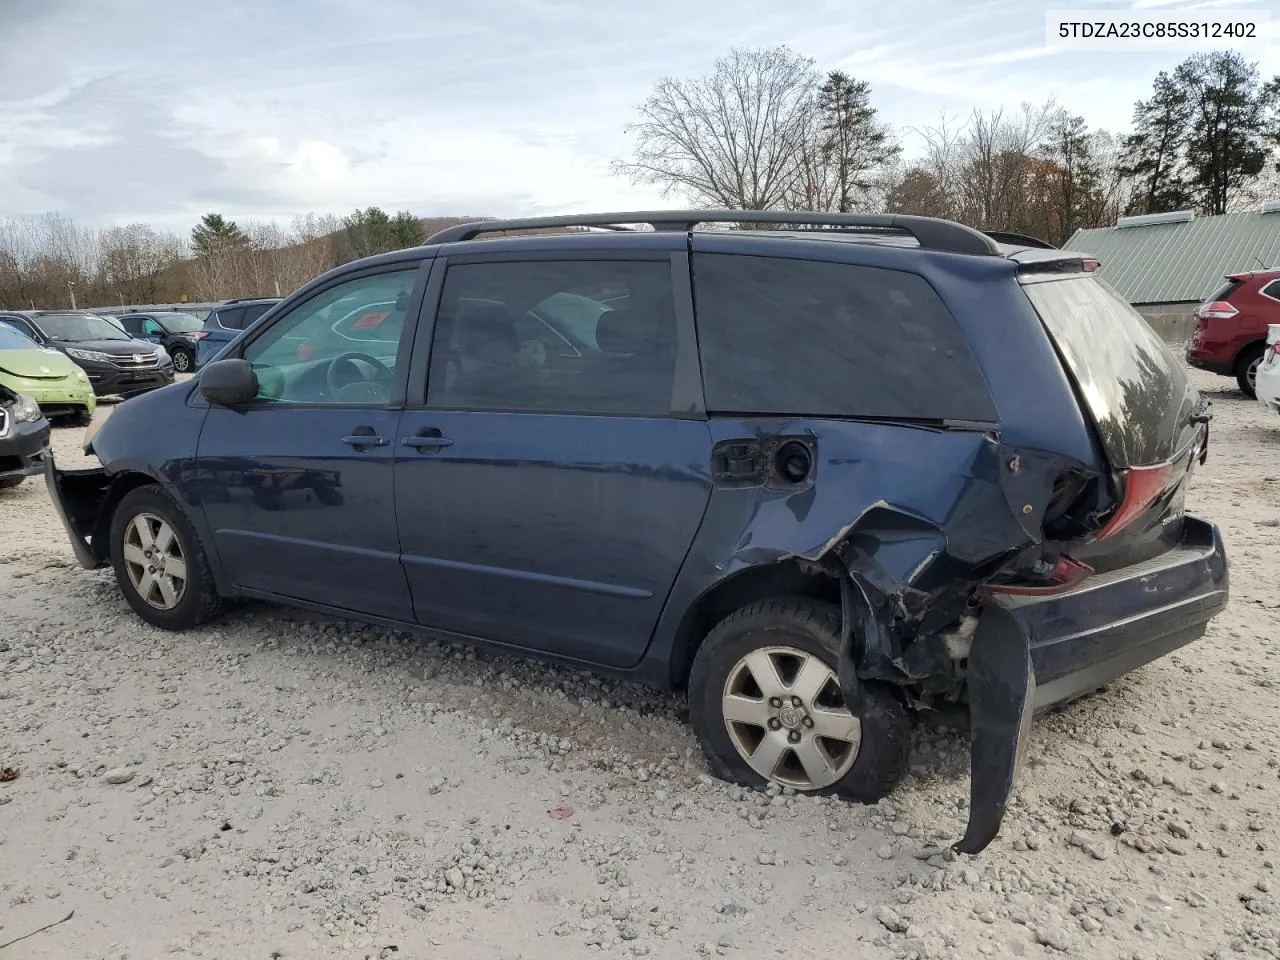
(338, 389)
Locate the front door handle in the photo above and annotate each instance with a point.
(428, 439)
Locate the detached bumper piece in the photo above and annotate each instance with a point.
(78, 496)
(1030, 653)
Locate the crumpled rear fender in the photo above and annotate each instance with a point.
(911, 522)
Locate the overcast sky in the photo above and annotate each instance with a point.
(161, 110)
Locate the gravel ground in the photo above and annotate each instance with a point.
(281, 785)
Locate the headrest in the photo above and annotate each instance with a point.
(621, 331)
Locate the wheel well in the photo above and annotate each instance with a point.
(121, 484)
(1244, 351)
(788, 578)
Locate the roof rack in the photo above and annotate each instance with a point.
(930, 233)
(1019, 240)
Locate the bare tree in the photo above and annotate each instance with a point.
(731, 138)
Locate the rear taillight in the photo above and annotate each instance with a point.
(1065, 574)
(200, 334)
(1216, 310)
(1142, 486)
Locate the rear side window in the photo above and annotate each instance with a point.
(231, 319)
(253, 312)
(800, 337)
(1271, 290)
(1225, 291)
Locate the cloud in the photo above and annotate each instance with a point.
(121, 110)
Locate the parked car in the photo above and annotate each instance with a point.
(177, 332)
(49, 377)
(116, 363)
(225, 322)
(24, 438)
(813, 477)
(1231, 327)
(1268, 380)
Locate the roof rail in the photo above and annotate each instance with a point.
(1018, 239)
(930, 233)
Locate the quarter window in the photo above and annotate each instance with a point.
(810, 338)
(340, 346)
(592, 337)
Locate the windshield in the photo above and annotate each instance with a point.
(179, 322)
(79, 326)
(14, 339)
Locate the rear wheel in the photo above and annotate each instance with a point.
(766, 705)
(1247, 370)
(159, 562)
(183, 361)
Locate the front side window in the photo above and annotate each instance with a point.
(808, 338)
(340, 346)
(591, 337)
(179, 323)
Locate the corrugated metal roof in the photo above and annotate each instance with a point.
(1181, 262)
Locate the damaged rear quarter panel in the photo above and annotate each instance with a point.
(914, 511)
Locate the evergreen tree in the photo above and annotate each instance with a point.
(406, 230)
(1153, 153)
(854, 142)
(215, 233)
(1231, 126)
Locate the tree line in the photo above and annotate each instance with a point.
(765, 130)
(51, 262)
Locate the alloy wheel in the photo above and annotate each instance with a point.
(787, 719)
(181, 361)
(155, 562)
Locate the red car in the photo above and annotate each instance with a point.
(1231, 326)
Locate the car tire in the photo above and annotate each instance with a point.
(1247, 370)
(163, 598)
(81, 418)
(8, 483)
(183, 360)
(863, 760)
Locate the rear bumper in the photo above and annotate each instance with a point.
(1115, 622)
(24, 450)
(1031, 653)
(1221, 367)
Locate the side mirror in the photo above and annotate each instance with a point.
(228, 382)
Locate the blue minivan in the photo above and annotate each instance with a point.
(817, 474)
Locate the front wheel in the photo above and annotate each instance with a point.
(1247, 371)
(765, 702)
(8, 483)
(159, 561)
(183, 361)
